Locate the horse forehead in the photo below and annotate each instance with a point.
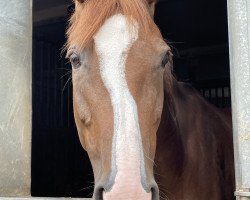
(116, 35)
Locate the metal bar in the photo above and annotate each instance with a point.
(242, 194)
(15, 97)
(223, 98)
(239, 42)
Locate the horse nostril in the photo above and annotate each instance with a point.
(98, 193)
(155, 192)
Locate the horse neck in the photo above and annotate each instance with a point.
(191, 136)
(182, 106)
(179, 122)
(170, 149)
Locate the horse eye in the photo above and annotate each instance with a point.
(75, 61)
(166, 58)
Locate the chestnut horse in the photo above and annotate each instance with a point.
(142, 129)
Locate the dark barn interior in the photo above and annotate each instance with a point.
(197, 33)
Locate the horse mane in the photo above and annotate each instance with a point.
(91, 15)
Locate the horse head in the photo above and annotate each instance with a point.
(119, 63)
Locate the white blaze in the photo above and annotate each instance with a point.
(112, 43)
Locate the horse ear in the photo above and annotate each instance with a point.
(151, 4)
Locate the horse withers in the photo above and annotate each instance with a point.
(136, 122)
